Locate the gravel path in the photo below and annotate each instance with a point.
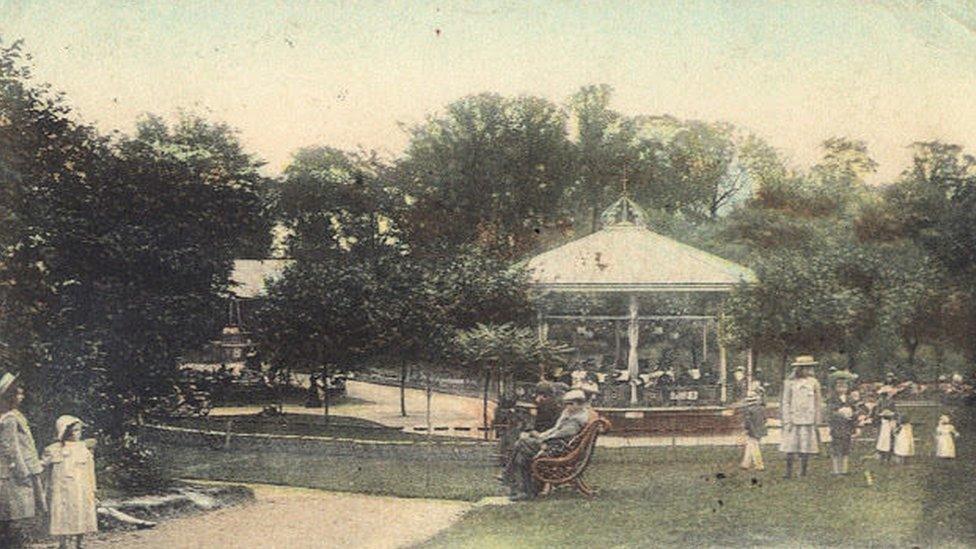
(381, 403)
(284, 517)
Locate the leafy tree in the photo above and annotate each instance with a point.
(428, 298)
(489, 170)
(315, 315)
(116, 252)
(500, 349)
(333, 202)
(935, 201)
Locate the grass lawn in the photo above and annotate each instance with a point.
(452, 480)
(300, 424)
(663, 496)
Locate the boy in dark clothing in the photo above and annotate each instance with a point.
(842, 419)
(755, 425)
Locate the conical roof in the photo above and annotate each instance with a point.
(625, 256)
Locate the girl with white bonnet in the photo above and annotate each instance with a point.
(945, 439)
(71, 483)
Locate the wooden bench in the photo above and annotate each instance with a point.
(554, 471)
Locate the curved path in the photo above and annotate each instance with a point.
(381, 403)
(284, 517)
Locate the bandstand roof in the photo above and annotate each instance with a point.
(625, 256)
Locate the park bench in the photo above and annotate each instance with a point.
(555, 471)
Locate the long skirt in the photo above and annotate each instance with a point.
(885, 432)
(905, 442)
(945, 446)
(799, 439)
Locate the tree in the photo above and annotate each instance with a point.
(489, 170)
(429, 297)
(604, 154)
(935, 200)
(499, 349)
(116, 253)
(317, 314)
(333, 202)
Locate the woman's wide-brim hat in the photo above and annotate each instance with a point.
(6, 382)
(805, 360)
(63, 423)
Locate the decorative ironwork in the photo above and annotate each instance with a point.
(624, 212)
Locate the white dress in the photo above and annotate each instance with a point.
(945, 441)
(884, 435)
(904, 441)
(71, 488)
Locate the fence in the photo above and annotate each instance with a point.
(460, 450)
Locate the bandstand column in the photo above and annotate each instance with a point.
(633, 336)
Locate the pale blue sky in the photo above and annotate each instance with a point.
(289, 74)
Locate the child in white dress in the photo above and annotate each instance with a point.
(71, 483)
(945, 439)
(904, 440)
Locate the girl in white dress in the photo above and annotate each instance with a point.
(904, 440)
(71, 483)
(945, 439)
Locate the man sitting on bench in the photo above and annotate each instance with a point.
(518, 473)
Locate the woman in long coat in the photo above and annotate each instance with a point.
(801, 410)
(20, 469)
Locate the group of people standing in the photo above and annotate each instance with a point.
(802, 411)
(58, 486)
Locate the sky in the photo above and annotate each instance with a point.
(289, 74)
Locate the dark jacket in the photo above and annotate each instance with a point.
(755, 421)
(547, 413)
(841, 428)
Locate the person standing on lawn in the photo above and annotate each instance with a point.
(21, 493)
(71, 483)
(553, 442)
(755, 423)
(904, 446)
(945, 439)
(887, 415)
(801, 410)
(842, 421)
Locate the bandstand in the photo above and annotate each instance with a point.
(666, 297)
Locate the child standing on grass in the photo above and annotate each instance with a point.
(904, 440)
(842, 421)
(71, 483)
(945, 439)
(755, 424)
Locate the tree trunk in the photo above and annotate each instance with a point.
(912, 347)
(783, 366)
(403, 388)
(325, 397)
(484, 404)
